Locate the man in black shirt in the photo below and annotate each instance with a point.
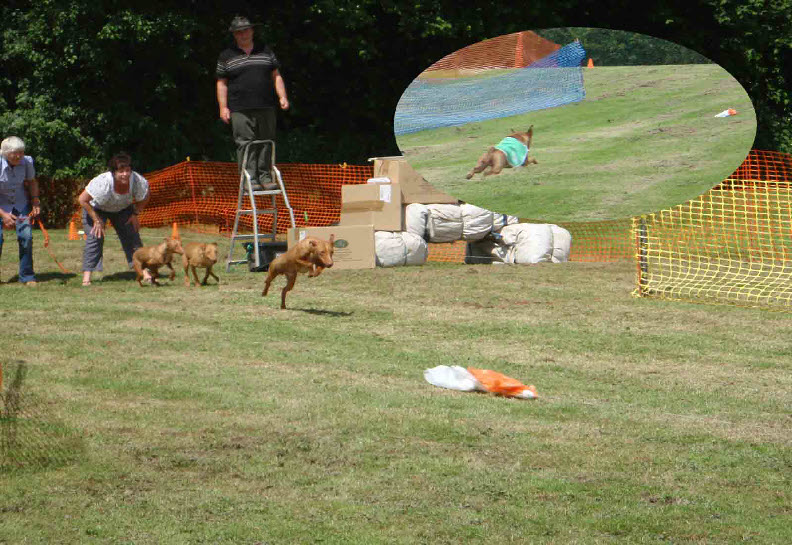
(248, 79)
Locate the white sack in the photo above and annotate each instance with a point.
(452, 377)
(562, 244)
(476, 222)
(389, 248)
(415, 218)
(395, 249)
(445, 222)
(417, 250)
(533, 242)
(499, 221)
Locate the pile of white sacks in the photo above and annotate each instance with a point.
(507, 240)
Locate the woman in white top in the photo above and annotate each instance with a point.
(119, 194)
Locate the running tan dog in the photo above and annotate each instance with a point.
(310, 255)
(154, 257)
(512, 151)
(199, 254)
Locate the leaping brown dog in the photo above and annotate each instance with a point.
(154, 257)
(310, 255)
(510, 152)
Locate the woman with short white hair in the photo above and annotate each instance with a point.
(19, 202)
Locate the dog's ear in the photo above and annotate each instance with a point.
(312, 242)
(332, 239)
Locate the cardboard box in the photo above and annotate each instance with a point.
(353, 244)
(379, 205)
(414, 188)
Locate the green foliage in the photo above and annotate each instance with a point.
(620, 48)
(89, 79)
(59, 199)
(756, 38)
(81, 80)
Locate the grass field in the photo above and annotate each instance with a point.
(644, 138)
(208, 415)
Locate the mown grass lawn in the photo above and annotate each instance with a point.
(208, 415)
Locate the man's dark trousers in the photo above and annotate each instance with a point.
(249, 125)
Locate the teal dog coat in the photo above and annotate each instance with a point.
(515, 151)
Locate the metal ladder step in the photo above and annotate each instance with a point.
(246, 192)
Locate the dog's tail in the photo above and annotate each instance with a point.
(530, 136)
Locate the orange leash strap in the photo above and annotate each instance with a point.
(46, 245)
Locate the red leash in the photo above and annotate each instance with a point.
(46, 245)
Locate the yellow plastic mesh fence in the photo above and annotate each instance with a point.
(516, 50)
(600, 241)
(732, 244)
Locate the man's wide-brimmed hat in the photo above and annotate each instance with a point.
(241, 23)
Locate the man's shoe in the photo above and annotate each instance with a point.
(31, 284)
(270, 186)
(256, 185)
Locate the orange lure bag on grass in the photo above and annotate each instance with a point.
(498, 383)
(481, 380)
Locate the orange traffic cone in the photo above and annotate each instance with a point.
(73, 231)
(590, 63)
(175, 233)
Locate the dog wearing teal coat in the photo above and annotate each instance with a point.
(510, 152)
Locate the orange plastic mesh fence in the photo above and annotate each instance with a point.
(447, 252)
(764, 166)
(732, 244)
(205, 193)
(515, 50)
(600, 240)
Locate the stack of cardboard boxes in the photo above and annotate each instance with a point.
(375, 206)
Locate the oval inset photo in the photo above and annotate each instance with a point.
(575, 124)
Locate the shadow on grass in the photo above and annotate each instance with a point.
(47, 277)
(124, 276)
(318, 312)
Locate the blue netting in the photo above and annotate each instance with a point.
(554, 80)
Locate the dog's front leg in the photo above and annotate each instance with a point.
(209, 272)
(138, 272)
(271, 274)
(291, 277)
(154, 275)
(195, 275)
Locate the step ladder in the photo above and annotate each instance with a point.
(246, 194)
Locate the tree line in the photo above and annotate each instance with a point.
(81, 80)
(621, 48)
